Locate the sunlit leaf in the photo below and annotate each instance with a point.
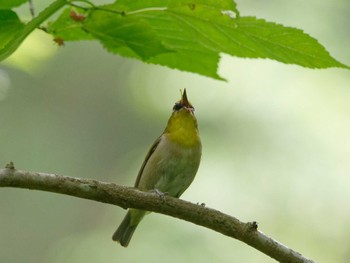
(198, 32)
(188, 35)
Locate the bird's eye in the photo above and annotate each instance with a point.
(177, 106)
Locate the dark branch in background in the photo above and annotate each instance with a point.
(130, 197)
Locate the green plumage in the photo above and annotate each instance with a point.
(127, 227)
(170, 165)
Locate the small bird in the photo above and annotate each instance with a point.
(170, 165)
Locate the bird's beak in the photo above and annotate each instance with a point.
(185, 101)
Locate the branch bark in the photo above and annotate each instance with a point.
(128, 197)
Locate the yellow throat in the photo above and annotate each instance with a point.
(182, 125)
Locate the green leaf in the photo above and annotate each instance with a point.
(117, 31)
(10, 25)
(191, 35)
(197, 32)
(289, 45)
(211, 29)
(185, 35)
(67, 28)
(8, 4)
(200, 62)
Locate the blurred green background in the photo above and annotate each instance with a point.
(275, 140)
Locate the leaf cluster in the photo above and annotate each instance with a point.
(184, 35)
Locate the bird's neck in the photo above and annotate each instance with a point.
(182, 130)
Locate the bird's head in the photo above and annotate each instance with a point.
(183, 104)
(182, 122)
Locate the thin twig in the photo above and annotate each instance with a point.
(130, 197)
(31, 8)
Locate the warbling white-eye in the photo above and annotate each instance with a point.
(170, 165)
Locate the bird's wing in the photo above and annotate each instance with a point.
(149, 154)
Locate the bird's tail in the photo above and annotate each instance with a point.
(127, 227)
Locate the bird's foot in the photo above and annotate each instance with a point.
(158, 192)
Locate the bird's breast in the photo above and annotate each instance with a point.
(172, 167)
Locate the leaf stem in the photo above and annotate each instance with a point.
(13, 44)
(94, 7)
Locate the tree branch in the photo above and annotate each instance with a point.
(130, 197)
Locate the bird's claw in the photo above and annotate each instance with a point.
(158, 192)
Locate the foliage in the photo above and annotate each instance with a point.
(179, 34)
